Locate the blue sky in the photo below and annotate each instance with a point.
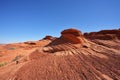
(24, 20)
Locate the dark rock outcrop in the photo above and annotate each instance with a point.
(49, 37)
(30, 43)
(104, 35)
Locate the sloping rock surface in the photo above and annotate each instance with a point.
(67, 58)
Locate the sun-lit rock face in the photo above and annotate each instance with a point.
(73, 31)
(73, 35)
(69, 37)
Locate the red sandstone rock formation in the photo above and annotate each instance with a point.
(73, 35)
(67, 58)
(104, 35)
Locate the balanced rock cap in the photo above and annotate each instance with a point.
(73, 35)
(72, 31)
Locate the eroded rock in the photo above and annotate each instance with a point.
(73, 35)
(104, 35)
(48, 37)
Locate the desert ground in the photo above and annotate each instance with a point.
(72, 56)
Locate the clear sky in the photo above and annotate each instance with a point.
(24, 20)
